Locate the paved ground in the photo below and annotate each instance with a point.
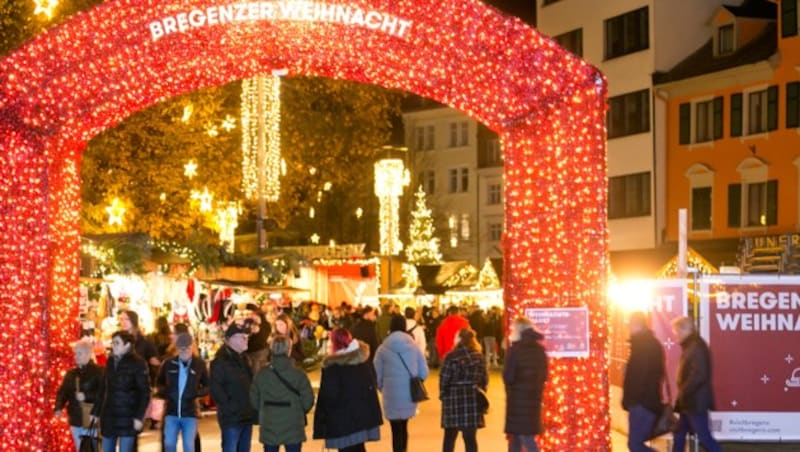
(426, 435)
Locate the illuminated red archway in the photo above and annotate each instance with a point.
(88, 74)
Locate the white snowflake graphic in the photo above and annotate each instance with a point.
(764, 379)
(789, 358)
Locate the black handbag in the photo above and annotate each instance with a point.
(481, 400)
(416, 384)
(667, 421)
(89, 442)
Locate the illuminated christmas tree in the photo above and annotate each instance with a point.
(423, 247)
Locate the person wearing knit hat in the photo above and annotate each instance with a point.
(181, 381)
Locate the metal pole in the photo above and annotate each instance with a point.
(261, 143)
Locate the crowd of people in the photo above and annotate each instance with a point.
(256, 378)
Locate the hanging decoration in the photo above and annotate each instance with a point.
(116, 210)
(423, 247)
(227, 219)
(547, 106)
(190, 169)
(390, 178)
(46, 7)
(261, 137)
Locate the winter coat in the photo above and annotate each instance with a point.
(462, 371)
(197, 385)
(394, 379)
(446, 333)
(348, 398)
(125, 394)
(695, 394)
(231, 377)
(281, 411)
(89, 377)
(524, 375)
(644, 373)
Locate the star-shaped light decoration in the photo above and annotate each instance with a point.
(115, 212)
(211, 130)
(187, 113)
(45, 7)
(229, 123)
(327, 186)
(205, 198)
(315, 238)
(190, 169)
(359, 213)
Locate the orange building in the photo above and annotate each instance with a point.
(730, 146)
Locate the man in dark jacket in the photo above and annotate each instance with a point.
(231, 376)
(524, 375)
(365, 330)
(641, 388)
(181, 380)
(695, 395)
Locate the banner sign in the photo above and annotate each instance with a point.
(752, 325)
(280, 10)
(566, 330)
(667, 301)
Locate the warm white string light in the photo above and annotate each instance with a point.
(261, 123)
(390, 178)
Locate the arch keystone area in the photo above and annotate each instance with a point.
(98, 67)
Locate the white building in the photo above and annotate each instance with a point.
(629, 40)
(458, 162)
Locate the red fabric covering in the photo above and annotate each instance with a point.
(350, 271)
(446, 334)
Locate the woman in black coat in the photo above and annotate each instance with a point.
(463, 370)
(348, 413)
(80, 384)
(524, 375)
(125, 394)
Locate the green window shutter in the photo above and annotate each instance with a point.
(793, 105)
(685, 123)
(736, 115)
(734, 205)
(772, 107)
(718, 117)
(772, 202)
(788, 18)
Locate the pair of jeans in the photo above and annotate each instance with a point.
(236, 438)
(286, 447)
(640, 425)
(399, 435)
(698, 424)
(517, 442)
(489, 344)
(354, 448)
(76, 436)
(450, 435)
(186, 426)
(126, 443)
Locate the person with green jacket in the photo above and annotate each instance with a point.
(282, 395)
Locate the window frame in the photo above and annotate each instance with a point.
(495, 232)
(694, 207)
(788, 9)
(618, 111)
(494, 194)
(646, 207)
(571, 40)
(719, 49)
(620, 25)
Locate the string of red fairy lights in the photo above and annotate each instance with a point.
(91, 72)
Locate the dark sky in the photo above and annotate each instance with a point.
(524, 9)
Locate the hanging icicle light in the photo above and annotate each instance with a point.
(261, 122)
(227, 219)
(389, 183)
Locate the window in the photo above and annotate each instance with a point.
(788, 18)
(495, 232)
(725, 38)
(464, 133)
(464, 226)
(430, 138)
(760, 204)
(793, 104)
(549, 2)
(629, 114)
(459, 180)
(627, 33)
(427, 180)
(419, 138)
(452, 223)
(701, 208)
(762, 110)
(453, 134)
(495, 195)
(629, 196)
(572, 41)
(494, 153)
(736, 115)
(707, 124)
(704, 114)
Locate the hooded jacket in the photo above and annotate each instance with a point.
(281, 406)
(524, 375)
(393, 378)
(348, 398)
